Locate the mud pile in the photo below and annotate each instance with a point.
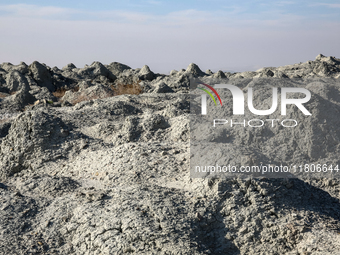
(109, 174)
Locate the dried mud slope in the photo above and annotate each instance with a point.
(111, 175)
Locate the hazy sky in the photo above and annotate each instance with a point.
(227, 35)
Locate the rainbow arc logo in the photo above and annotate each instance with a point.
(208, 92)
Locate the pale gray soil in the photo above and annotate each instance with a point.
(111, 175)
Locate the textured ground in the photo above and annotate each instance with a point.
(111, 175)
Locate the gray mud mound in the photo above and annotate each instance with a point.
(112, 175)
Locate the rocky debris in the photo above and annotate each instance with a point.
(146, 74)
(4, 128)
(265, 72)
(279, 74)
(146, 87)
(117, 68)
(173, 72)
(194, 70)
(246, 75)
(21, 68)
(41, 75)
(127, 78)
(40, 93)
(17, 101)
(83, 85)
(179, 83)
(87, 92)
(15, 81)
(53, 186)
(95, 70)
(43, 103)
(219, 75)
(69, 67)
(72, 75)
(32, 139)
(111, 175)
(321, 67)
(3, 94)
(21, 98)
(161, 87)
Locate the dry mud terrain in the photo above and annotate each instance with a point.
(88, 169)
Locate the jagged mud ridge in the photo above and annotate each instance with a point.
(95, 160)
